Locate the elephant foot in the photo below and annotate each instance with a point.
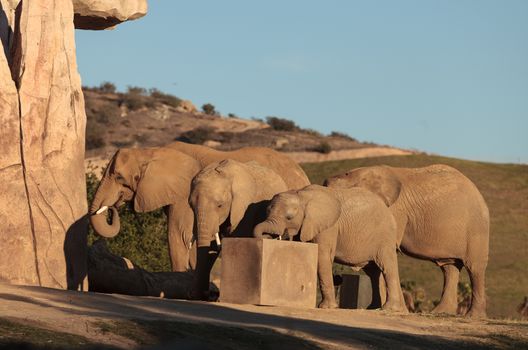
(445, 308)
(477, 312)
(326, 304)
(395, 307)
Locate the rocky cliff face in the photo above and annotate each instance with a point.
(42, 186)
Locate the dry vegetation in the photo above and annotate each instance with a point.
(139, 117)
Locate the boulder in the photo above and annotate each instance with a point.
(186, 106)
(104, 14)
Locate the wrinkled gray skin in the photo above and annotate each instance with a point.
(441, 216)
(228, 198)
(171, 185)
(350, 226)
(152, 178)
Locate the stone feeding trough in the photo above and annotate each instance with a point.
(269, 272)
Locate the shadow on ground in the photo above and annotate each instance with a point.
(197, 325)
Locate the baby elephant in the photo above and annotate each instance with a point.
(228, 199)
(352, 227)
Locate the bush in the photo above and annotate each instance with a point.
(136, 90)
(232, 115)
(143, 237)
(281, 124)
(342, 135)
(94, 138)
(209, 109)
(108, 114)
(197, 136)
(323, 147)
(312, 132)
(167, 99)
(107, 87)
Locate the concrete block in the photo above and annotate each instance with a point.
(268, 272)
(355, 292)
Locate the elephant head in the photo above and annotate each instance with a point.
(308, 211)
(380, 180)
(220, 195)
(151, 177)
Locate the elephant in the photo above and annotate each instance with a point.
(441, 216)
(228, 198)
(151, 178)
(166, 173)
(350, 226)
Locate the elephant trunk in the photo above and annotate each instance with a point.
(205, 228)
(268, 226)
(98, 215)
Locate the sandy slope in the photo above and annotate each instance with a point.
(78, 313)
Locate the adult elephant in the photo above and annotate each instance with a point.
(441, 216)
(166, 174)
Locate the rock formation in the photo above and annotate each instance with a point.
(186, 106)
(103, 14)
(43, 205)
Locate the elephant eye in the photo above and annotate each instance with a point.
(219, 205)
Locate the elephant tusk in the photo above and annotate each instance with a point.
(101, 210)
(217, 238)
(280, 238)
(192, 241)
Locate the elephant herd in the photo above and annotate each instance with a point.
(361, 218)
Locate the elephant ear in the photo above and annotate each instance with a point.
(243, 189)
(384, 183)
(322, 210)
(164, 180)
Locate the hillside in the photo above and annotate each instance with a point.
(138, 118)
(505, 188)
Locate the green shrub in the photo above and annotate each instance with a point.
(209, 109)
(323, 147)
(281, 124)
(197, 136)
(143, 236)
(232, 115)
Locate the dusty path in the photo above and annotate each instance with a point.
(79, 313)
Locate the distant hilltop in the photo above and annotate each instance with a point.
(148, 118)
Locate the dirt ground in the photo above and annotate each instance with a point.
(118, 321)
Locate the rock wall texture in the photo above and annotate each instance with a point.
(43, 207)
(42, 146)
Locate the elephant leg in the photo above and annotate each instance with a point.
(478, 295)
(200, 288)
(378, 285)
(388, 263)
(326, 279)
(180, 222)
(448, 303)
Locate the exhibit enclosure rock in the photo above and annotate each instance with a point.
(43, 224)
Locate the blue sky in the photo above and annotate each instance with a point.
(446, 77)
